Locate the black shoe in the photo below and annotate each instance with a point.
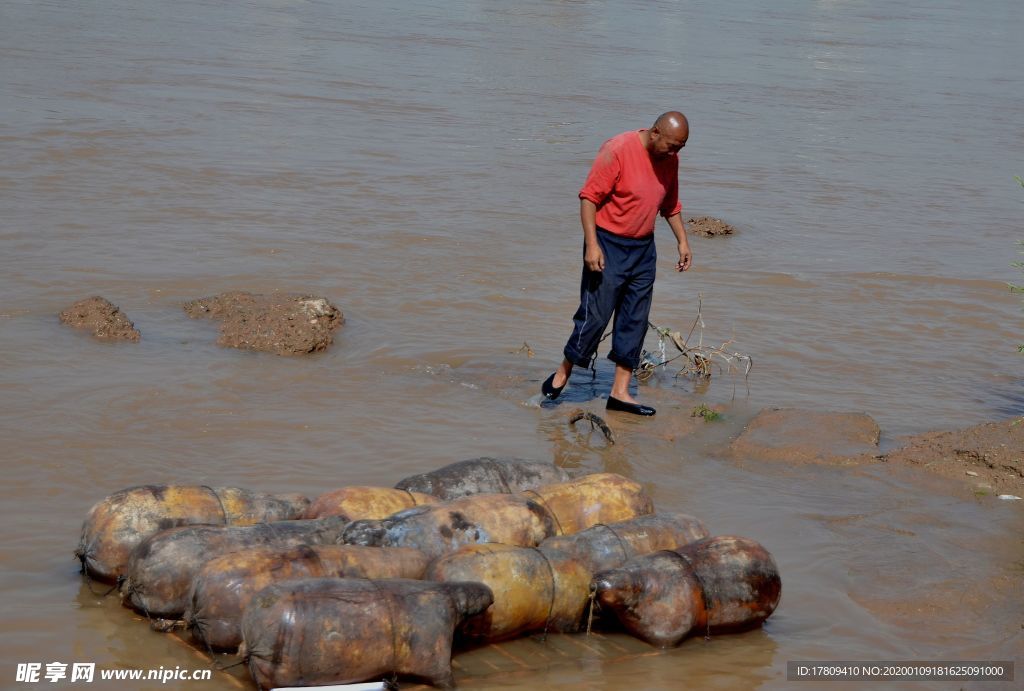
(549, 391)
(635, 408)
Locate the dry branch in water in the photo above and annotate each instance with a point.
(595, 422)
(699, 358)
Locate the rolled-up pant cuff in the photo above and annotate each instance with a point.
(576, 359)
(630, 362)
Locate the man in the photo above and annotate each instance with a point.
(634, 177)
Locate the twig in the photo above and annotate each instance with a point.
(699, 358)
(166, 625)
(525, 347)
(595, 423)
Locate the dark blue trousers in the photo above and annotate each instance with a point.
(625, 287)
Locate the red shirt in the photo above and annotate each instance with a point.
(629, 187)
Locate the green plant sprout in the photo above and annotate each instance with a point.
(703, 411)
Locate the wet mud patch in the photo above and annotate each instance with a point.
(989, 456)
(102, 318)
(806, 436)
(708, 226)
(286, 324)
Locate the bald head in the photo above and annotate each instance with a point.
(672, 120)
(668, 134)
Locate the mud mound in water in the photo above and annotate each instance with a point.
(806, 436)
(281, 324)
(989, 455)
(708, 226)
(101, 317)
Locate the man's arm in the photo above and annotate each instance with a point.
(593, 257)
(675, 222)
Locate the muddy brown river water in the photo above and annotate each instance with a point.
(418, 164)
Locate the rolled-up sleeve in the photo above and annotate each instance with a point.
(604, 173)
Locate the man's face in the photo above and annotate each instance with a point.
(668, 142)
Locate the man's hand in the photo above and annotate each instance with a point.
(593, 257)
(679, 230)
(685, 258)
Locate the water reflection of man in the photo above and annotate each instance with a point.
(634, 177)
